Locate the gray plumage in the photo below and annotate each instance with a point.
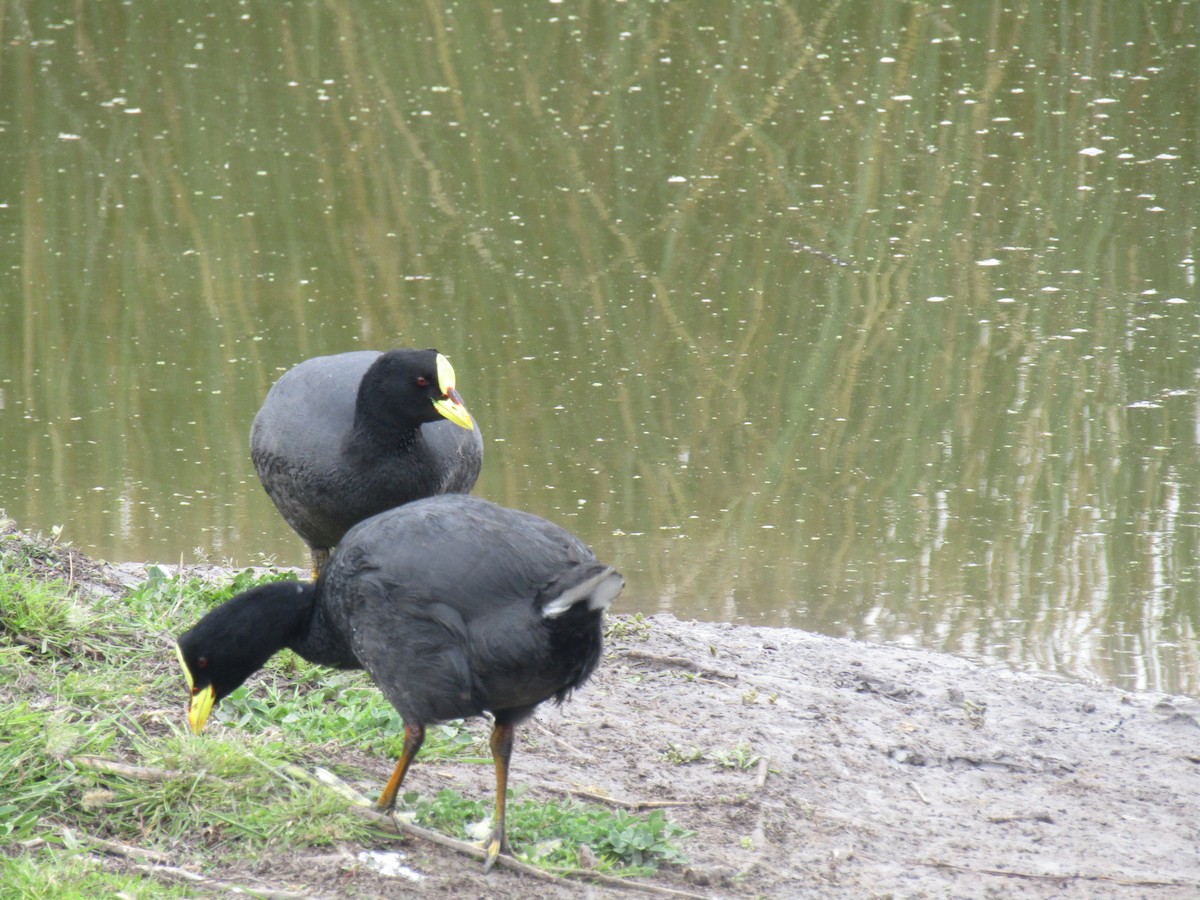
(341, 438)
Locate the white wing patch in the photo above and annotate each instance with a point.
(600, 590)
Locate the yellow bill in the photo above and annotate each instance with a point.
(199, 708)
(187, 673)
(450, 405)
(201, 702)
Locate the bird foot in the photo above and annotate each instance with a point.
(493, 848)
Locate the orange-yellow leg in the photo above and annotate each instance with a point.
(320, 556)
(414, 736)
(502, 744)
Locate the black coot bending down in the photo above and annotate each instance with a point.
(452, 604)
(341, 438)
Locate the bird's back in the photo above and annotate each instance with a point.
(309, 411)
(449, 604)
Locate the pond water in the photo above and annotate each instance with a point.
(879, 320)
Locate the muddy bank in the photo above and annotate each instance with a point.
(894, 770)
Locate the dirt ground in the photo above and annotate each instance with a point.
(888, 772)
(810, 766)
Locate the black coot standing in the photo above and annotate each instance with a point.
(453, 605)
(341, 438)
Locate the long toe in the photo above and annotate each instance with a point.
(496, 844)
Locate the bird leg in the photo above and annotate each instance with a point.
(414, 736)
(502, 744)
(320, 556)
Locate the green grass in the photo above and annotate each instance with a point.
(553, 833)
(94, 747)
(71, 877)
(740, 756)
(631, 628)
(343, 708)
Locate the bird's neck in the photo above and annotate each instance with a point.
(282, 614)
(373, 432)
(320, 643)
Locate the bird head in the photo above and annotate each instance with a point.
(215, 669)
(236, 639)
(404, 388)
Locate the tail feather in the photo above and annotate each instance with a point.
(599, 590)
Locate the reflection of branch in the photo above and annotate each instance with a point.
(800, 247)
(658, 284)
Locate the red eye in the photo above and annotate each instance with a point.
(202, 662)
(422, 381)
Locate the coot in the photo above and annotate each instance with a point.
(341, 438)
(453, 605)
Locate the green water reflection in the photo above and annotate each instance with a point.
(872, 319)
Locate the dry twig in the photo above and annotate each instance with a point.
(1062, 876)
(112, 767)
(361, 806)
(116, 848)
(760, 776)
(1023, 817)
(559, 741)
(638, 805)
(678, 662)
(223, 886)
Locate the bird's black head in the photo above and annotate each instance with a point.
(235, 640)
(403, 388)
